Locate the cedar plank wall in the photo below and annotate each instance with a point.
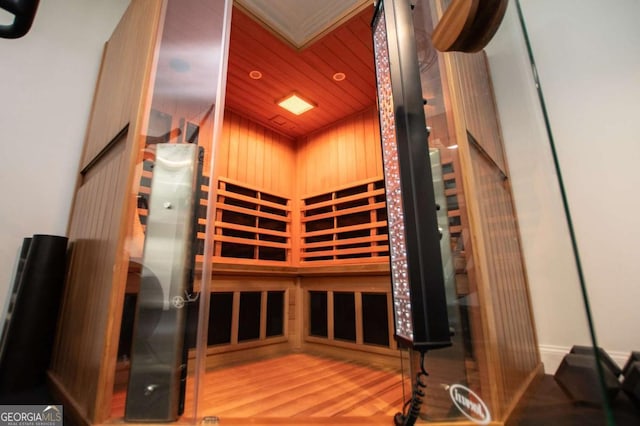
(112, 90)
(255, 155)
(510, 348)
(84, 357)
(345, 152)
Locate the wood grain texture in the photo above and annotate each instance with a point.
(512, 319)
(256, 156)
(121, 57)
(83, 361)
(348, 49)
(345, 152)
(468, 25)
(478, 104)
(502, 326)
(454, 25)
(84, 317)
(296, 387)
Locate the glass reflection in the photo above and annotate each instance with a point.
(185, 86)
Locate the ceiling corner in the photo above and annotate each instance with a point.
(301, 22)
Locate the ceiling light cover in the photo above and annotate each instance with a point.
(339, 76)
(296, 104)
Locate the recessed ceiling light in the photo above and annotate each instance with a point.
(339, 76)
(296, 104)
(255, 75)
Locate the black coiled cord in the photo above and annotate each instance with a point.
(411, 408)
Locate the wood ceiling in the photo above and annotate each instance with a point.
(309, 72)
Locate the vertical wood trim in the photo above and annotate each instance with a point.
(295, 228)
(300, 321)
(359, 326)
(288, 315)
(390, 314)
(235, 317)
(217, 246)
(330, 323)
(263, 315)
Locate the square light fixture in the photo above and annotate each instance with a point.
(296, 104)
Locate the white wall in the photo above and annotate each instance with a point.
(47, 79)
(588, 63)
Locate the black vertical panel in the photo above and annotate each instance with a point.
(344, 316)
(275, 313)
(191, 329)
(30, 335)
(318, 313)
(375, 320)
(220, 316)
(249, 316)
(15, 289)
(424, 268)
(126, 325)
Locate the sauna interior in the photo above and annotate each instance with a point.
(291, 235)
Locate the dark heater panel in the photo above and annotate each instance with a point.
(375, 321)
(275, 313)
(220, 317)
(344, 316)
(318, 314)
(249, 316)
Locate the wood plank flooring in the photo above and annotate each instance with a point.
(296, 389)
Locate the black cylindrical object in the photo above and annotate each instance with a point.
(31, 332)
(14, 292)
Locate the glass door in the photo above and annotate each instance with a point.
(164, 331)
(508, 248)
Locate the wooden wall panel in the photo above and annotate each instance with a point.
(116, 98)
(478, 104)
(252, 154)
(512, 320)
(503, 329)
(345, 152)
(308, 71)
(95, 222)
(84, 359)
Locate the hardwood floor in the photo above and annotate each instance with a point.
(297, 389)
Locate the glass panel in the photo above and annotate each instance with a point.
(523, 335)
(168, 279)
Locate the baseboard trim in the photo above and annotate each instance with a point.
(514, 408)
(551, 356)
(71, 408)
